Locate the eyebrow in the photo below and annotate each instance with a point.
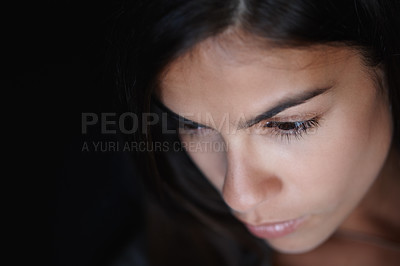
(278, 108)
(283, 105)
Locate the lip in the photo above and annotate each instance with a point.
(276, 230)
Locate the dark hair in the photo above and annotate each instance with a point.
(150, 34)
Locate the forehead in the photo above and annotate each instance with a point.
(231, 74)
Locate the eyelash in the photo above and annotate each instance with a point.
(284, 130)
(295, 129)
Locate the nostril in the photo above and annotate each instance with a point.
(273, 185)
(246, 193)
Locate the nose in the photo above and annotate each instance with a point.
(249, 180)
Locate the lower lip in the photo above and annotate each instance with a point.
(275, 230)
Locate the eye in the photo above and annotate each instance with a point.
(292, 129)
(195, 130)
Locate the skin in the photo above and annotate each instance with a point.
(323, 175)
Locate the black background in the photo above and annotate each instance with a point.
(61, 66)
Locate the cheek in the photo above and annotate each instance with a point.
(336, 166)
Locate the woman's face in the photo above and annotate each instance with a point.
(291, 138)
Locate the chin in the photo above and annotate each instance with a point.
(299, 247)
(293, 250)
